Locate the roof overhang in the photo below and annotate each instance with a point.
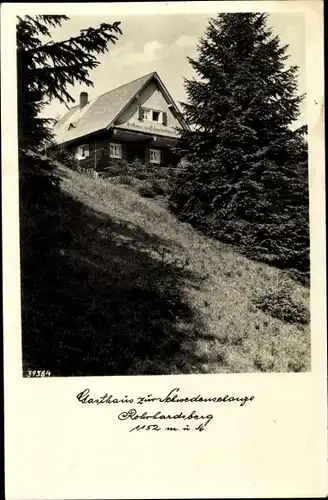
(137, 136)
(82, 137)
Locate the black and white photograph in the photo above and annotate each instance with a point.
(164, 196)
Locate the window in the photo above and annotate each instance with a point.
(155, 116)
(145, 114)
(152, 115)
(115, 150)
(82, 152)
(154, 156)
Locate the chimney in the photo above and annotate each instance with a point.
(83, 99)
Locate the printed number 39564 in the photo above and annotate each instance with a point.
(38, 373)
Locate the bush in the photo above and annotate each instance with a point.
(136, 163)
(279, 304)
(156, 182)
(119, 163)
(115, 168)
(147, 191)
(157, 188)
(62, 155)
(141, 176)
(125, 180)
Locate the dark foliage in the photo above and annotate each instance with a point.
(247, 178)
(44, 71)
(280, 304)
(46, 68)
(157, 181)
(158, 189)
(63, 156)
(147, 191)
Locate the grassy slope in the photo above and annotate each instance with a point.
(127, 289)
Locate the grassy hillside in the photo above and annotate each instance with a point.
(112, 283)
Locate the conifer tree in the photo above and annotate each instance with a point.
(46, 69)
(246, 181)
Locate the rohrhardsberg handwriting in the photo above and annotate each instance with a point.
(133, 415)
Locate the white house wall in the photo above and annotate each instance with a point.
(150, 97)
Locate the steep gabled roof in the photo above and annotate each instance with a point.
(100, 113)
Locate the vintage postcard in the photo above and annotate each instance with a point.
(164, 250)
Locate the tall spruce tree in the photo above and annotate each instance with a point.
(45, 70)
(246, 181)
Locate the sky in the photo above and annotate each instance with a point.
(162, 43)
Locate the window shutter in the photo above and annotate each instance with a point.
(139, 112)
(164, 118)
(147, 155)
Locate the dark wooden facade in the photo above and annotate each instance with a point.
(134, 146)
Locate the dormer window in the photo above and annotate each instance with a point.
(152, 115)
